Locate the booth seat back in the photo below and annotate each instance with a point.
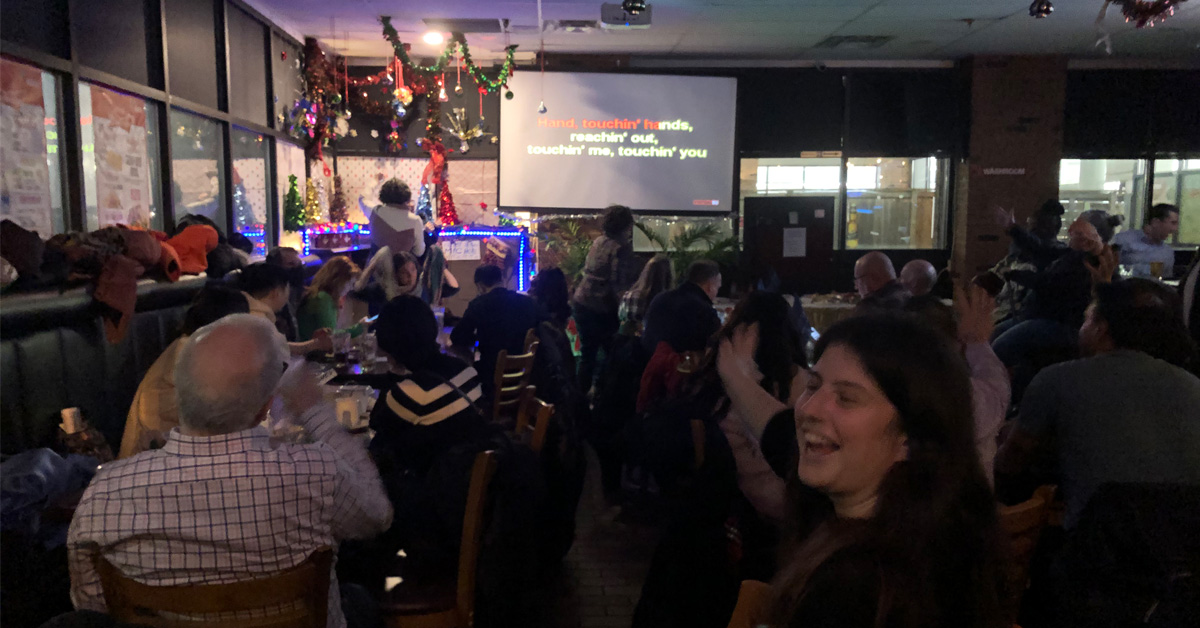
(53, 355)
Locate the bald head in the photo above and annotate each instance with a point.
(227, 373)
(918, 276)
(872, 272)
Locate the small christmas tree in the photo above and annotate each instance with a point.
(337, 202)
(312, 204)
(293, 207)
(243, 213)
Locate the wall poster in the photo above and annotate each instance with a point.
(24, 172)
(122, 162)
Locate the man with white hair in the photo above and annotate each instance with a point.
(219, 503)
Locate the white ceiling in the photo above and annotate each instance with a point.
(758, 30)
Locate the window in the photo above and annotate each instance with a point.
(30, 159)
(1115, 186)
(894, 203)
(289, 160)
(120, 159)
(251, 203)
(668, 229)
(197, 163)
(1177, 181)
(797, 175)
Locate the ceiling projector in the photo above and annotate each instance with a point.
(628, 15)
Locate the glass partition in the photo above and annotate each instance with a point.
(197, 164)
(1115, 186)
(30, 161)
(120, 159)
(251, 202)
(894, 203)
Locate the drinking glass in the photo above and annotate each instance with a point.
(1156, 270)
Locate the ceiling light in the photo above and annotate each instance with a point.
(633, 7)
(1041, 8)
(433, 38)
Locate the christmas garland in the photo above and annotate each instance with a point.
(457, 42)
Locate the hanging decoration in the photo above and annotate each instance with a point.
(293, 207)
(461, 128)
(1147, 12)
(1040, 8)
(338, 211)
(424, 207)
(312, 204)
(428, 78)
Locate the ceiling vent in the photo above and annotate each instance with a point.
(854, 42)
(466, 25)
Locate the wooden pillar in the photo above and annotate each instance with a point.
(1015, 148)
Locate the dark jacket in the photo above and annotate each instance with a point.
(609, 271)
(683, 317)
(497, 320)
(1031, 248)
(891, 297)
(1061, 293)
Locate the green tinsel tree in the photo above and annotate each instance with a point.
(293, 207)
(337, 202)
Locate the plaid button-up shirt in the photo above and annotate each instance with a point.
(209, 510)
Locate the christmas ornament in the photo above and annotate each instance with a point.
(508, 95)
(338, 212)
(1041, 8)
(458, 90)
(293, 207)
(312, 204)
(461, 128)
(542, 107)
(404, 95)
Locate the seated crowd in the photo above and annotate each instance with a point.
(862, 474)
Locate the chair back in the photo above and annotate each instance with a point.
(472, 537)
(534, 417)
(530, 338)
(301, 594)
(1023, 524)
(751, 607)
(512, 375)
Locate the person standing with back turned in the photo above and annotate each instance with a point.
(610, 269)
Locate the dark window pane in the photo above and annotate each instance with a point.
(111, 36)
(192, 50)
(247, 67)
(289, 84)
(37, 24)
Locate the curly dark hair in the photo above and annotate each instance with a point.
(1143, 315)
(549, 289)
(395, 192)
(617, 218)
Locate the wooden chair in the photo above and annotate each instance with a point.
(530, 338)
(452, 605)
(512, 375)
(1023, 523)
(302, 593)
(751, 607)
(540, 411)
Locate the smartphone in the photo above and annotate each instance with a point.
(371, 319)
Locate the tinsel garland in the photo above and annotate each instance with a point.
(447, 213)
(293, 207)
(424, 207)
(312, 204)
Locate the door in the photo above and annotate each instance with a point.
(793, 235)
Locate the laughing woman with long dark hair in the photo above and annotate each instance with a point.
(893, 520)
